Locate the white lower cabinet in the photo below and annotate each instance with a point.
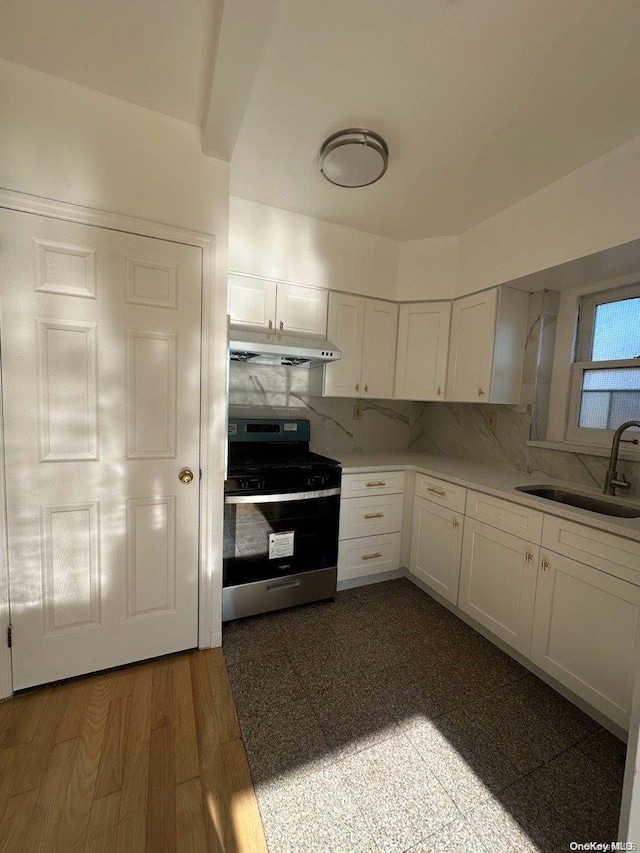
(584, 632)
(498, 582)
(369, 555)
(436, 547)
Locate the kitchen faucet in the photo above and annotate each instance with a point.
(612, 481)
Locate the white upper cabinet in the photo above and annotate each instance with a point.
(364, 330)
(345, 329)
(423, 343)
(487, 347)
(301, 310)
(379, 349)
(252, 302)
(256, 303)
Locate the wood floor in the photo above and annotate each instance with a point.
(147, 758)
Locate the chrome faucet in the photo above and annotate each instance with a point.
(612, 481)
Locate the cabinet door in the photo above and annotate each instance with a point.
(423, 344)
(252, 302)
(498, 582)
(473, 323)
(584, 632)
(436, 547)
(345, 329)
(301, 310)
(379, 350)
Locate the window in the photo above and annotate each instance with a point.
(605, 382)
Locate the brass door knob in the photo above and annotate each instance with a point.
(186, 476)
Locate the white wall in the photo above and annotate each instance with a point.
(274, 243)
(428, 269)
(590, 210)
(70, 143)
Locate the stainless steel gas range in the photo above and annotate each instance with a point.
(282, 505)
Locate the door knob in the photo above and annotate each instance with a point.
(185, 476)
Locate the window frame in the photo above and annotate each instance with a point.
(585, 325)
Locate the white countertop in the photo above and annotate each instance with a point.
(490, 479)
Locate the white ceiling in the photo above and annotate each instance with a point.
(157, 53)
(482, 102)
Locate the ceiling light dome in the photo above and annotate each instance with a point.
(354, 158)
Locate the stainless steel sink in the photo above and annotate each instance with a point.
(605, 506)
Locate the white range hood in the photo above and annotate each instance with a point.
(274, 349)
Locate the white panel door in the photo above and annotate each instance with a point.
(584, 632)
(473, 322)
(379, 349)
(498, 582)
(252, 302)
(101, 373)
(301, 310)
(423, 344)
(436, 547)
(345, 329)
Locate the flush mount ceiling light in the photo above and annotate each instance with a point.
(354, 158)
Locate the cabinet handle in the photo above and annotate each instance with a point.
(456, 524)
(529, 557)
(366, 387)
(371, 556)
(375, 515)
(544, 565)
(372, 485)
(439, 391)
(281, 325)
(480, 392)
(270, 324)
(437, 491)
(357, 386)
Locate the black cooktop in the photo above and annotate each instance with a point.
(244, 458)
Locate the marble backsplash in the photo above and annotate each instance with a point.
(257, 391)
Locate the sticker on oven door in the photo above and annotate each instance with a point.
(281, 545)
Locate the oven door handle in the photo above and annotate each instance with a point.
(280, 498)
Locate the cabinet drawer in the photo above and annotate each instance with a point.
(612, 554)
(368, 556)
(361, 485)
(370, 516)
(512, 518)
(444, 494)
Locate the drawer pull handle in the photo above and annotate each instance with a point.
(283, 585)
(529, 557)
(456, 524)
(371, 556)
(374, 515)
(373, 485)
(544, 565)
(437, 492)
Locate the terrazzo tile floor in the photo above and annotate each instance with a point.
(381, 722)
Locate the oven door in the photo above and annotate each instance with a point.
(275, 535)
